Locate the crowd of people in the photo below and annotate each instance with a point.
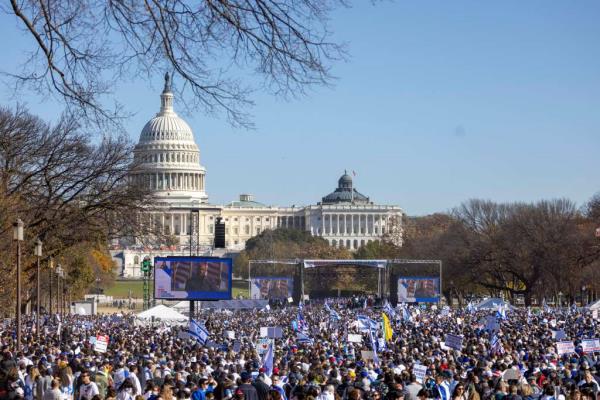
(516, 359)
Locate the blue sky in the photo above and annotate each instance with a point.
(440, 101)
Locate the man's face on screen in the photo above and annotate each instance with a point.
(203, 269)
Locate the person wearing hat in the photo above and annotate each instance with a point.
(246, 387)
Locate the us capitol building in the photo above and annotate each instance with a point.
(169, 164)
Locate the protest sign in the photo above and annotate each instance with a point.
(559, 334)
(273, 332)
(262, 345)
(595, 314)
(367, 355)
(511, 374)
(453, 341)
(290, 300)
(420, 371)
(237, 346)
(101, 343)
(229, 335)
(565, 348)
(354, 338)
(590, 345)
(92, 340)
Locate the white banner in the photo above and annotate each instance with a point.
(420, 371)
(590, 345)
(354, 338)
(565, 348)
(101, 343)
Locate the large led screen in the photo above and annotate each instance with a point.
(421, 290)
(268, 288)
(192, 278)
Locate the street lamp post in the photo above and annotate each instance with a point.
(59, 271)
(18, 237)
(38, 254)
(50, 279)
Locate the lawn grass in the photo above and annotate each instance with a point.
(121, 289)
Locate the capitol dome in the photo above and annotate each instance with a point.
(345, 193)
(167, 155)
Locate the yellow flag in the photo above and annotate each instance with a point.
(387, 328)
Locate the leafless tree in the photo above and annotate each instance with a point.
(68, 189)
(82, 47)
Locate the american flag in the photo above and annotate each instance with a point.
(182, 272)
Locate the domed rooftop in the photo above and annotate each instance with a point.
(167, 157)
(166, 125)
(345, 193)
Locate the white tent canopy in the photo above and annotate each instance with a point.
(162, 313)
(594, 306)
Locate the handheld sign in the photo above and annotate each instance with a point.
(559, 334)
(101, 344)
(354, 338)
(272, 332)
(420, 371)
(229, 335)
(367, 355)
(262, 345)
(453, 341)
(565, 348)
(590, 345)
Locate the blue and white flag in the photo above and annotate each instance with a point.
(406, 316)
(332, 313)
(470, 307)
(374, 346)
(501, 312)
(267, 360)
(197, 332)
(303, 338)
(388, 309)
(365, 323)
(496, 346)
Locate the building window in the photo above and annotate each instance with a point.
(236, 242)
(236, 231)
(211, 228)
(235, 219)
(257, 230)
(258, 218)
(136, 260)
(247, 229)
(267, 219)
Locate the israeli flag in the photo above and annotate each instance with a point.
(406, 316)
(332, 313)
(374, 346)
(501, 313)
(197, 331)
(365, 323)
(303, 338)
(267, 360)
(389, 309)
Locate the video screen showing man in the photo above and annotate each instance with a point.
(279, 289)
(425, 288)
(197, 277)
